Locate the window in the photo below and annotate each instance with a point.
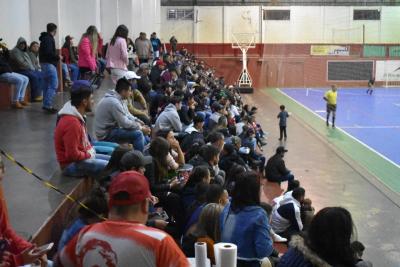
(277, 14)
(366, 14)
(178, 14)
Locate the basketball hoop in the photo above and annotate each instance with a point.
(244, 41)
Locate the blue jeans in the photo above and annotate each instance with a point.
(101, 65)
(20, 81)
(87, 167)
(36, 79)
(106, 148)
(74, 71)
(134, 137)
(288, 177)
(51, 78)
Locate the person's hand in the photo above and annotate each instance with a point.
(146, 130)
(174, 144)
(154, 200)
(29, 256)
(43, 261)
(5, 260)
(175, 184)
(160, 224)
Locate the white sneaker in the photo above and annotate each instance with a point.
(278, 238)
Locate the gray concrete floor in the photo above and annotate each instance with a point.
(329, 178)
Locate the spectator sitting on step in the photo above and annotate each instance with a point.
(17, 251)
(70, 57)
(20, 81)
(276, 170)
(114, 123)
(286, 217)
(245, 224)
(22, 63)
(100, 244)
(169, 118)
(175, 157)
(75, 154)
(96, 201)
(327, 242)
(34, 55)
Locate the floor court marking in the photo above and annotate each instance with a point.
(371, 127)
(338, 128)
(343, 92)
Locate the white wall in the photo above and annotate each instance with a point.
(308, 24)
(14, 21)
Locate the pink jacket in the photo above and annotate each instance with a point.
(86, 58)
(117, 54)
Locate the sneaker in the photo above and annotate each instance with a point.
(333, 126)
(50, 110)
(327, 124)
(277, 238)
(17, 105)
(38, 99)
(26, 104)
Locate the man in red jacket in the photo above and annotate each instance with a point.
(75, 154)
(14, 250)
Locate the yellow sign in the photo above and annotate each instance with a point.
(329, 50)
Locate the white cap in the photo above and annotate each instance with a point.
(129, 75)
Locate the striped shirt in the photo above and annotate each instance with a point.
(123, 244)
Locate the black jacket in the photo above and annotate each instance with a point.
(47, 50)
(276, 168)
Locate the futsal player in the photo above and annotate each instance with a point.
(371, 84)
(330, 98)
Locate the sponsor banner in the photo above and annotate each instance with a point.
(394, 51)
(330, 50)
(387, 70)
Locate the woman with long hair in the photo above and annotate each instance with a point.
(70, 57)
(327, 241)
(117, 53)
(245, 223)
(87, 51)
(176, 157)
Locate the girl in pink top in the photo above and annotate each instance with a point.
(87, 50)
(117, 53)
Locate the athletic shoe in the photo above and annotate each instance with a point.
(277, 238)
(50, 110)
(17, 105)
(25, 104)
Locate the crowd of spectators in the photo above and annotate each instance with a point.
(177, 158)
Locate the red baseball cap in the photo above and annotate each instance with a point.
(160, 63)
(131, 182)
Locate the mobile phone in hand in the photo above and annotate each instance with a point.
(43, 249)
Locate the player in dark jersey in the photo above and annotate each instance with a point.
(371, 84)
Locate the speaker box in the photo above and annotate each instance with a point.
(245, 90)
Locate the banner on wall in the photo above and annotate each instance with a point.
(330, 50)
(387, 70)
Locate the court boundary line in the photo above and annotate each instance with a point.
(366, 173)
(349, 135)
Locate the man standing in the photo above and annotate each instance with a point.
(48, 59)
(75, 154)
(114, 123)
(330, 98)
(124, 240)
(157, 45)
(276, 170)
(144, 49)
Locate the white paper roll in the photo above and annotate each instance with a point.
(200, 252)
(225, 254)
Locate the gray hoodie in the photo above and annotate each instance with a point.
(112, 113)
(20, 59)
(169, 118)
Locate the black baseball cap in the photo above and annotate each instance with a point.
(134, 159)
(281, 149)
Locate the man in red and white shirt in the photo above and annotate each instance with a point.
(124, 240)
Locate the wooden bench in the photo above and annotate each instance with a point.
(7, 92)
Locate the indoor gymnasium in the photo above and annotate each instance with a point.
(227, 133)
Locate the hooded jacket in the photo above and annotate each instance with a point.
(47, 50)
(20, 59)
(112, 113)
(16, 244)
(300, 255)
(276, 168)
(169, 118)
(70, 138)
(249, 230)
(286, 214)
(86, 57)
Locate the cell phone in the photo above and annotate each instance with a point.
(3, 246)
(44, 248)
